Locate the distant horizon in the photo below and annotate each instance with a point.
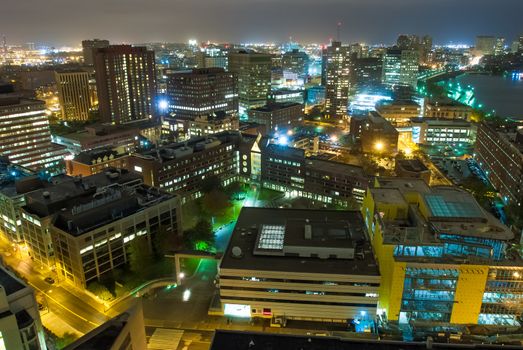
(64, 23)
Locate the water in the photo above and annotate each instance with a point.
(503, 94)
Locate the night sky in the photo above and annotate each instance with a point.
(67, 22)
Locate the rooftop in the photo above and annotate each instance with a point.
(97, 155)
(412, 165)
(275, 106)
(80, 204)
(10, 283)
(241, 340)
(303, 241)
(442, 121)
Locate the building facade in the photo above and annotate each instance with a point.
(400, 67)
(500, 155)
(20, 324)
(74, 95)
(399, 112)
(378, 135)
(437, 131)
(278, 116)
(285, 264)
(84, 226)
(25, 137)
(88, 47)
(254, 78)
(336, 59)
(442, 257)
(126, 83)
(447, 109)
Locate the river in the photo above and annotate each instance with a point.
(502, 94)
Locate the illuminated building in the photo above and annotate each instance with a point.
(211, 57)
(254, 78)
(181, 167)
(288, 170)
(440, 131)
(286, 95)
(202, 91)
(126, 83)
(485, 45)
(25, 137)
(447, 109)
(83, 225)
(15, 182)
(315, 95)
(500, 154)
(284, 264)
(74, 94)
(202, 125)
(400, 67)
(125, 331)
(336, 59)
(295, 66)
(378, 135)
(122, 138)
(408, 42)
(95, 161)
(20, 324)
(88, 47)
(277, 116)
(399, 112)
(441, 256)
(366, 71)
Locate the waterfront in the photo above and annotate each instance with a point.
(502, 94)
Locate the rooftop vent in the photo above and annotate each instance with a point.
(46, 194)
(237, 252)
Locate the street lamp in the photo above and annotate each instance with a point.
(379, 146)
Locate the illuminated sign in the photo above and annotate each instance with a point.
(237, 310)
(416, 131)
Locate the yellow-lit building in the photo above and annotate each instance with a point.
(441, 256)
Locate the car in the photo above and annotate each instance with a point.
(49, 280)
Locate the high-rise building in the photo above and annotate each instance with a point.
(366, 72)
(278, 116)
(400, 67)
(425, 48)
(486, 45)
(254, 78)
(441, 256)
(499, 48)
(336, 59)
(295, 65)
(74, 94)
(499, 153)
(408, 42)
(20, 324)
(25, 137)
(88, 47)
(126, 83)
(202, 91)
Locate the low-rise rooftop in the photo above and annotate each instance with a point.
(303, 241)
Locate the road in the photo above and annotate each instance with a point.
(72, 306)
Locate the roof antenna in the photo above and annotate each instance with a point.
(338, 27)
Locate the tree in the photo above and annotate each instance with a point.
(211, 183)
(66, 339)
(140, 256)
(215, 202)
(235, 190)
(200, 237)
(99, 290)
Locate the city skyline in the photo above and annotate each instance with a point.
(374, 21)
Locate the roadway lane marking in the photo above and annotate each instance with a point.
(62, 306)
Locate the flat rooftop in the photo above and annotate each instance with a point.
(243, 340)
(274, 239)
(83, 204)
(442, 121)
(335, 167)
(275, 106)
(103, 154)
(412, 165)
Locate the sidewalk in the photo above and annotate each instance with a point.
(56, 325)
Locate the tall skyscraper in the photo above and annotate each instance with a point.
(499, 48)
(25, 137)
(254, 78)
(74, 94)
(295, 65)
(400, 67)
(126, 83)
(211, 57)
(202, 91)
(88, 47)
(408, 41)
(336, 59)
